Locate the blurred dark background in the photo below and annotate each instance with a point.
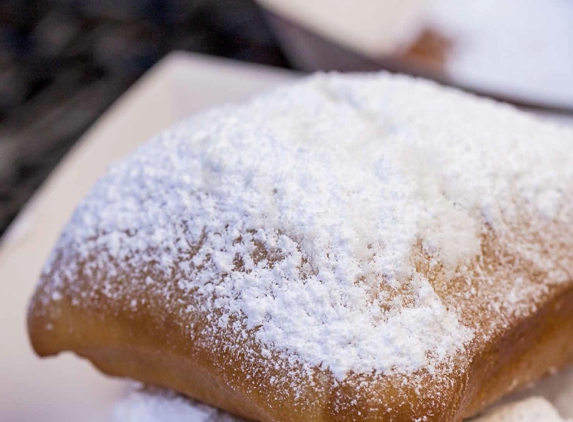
(63, 62)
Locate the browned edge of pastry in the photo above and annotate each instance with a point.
(538, 344)
(534, 346)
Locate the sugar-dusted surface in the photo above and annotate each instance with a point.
(157, 405)
(356, 224)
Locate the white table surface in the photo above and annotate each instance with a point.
(67, 388)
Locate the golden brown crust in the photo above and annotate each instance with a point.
(135, 346)
(532, 348)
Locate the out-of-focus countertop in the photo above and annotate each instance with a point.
(517, 50)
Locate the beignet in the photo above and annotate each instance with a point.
(349, 248)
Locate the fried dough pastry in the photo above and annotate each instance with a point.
(349, 248)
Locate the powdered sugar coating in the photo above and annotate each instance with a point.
(298, 217)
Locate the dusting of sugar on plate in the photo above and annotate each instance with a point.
(157, 405)
(531, 409)
(301, 218)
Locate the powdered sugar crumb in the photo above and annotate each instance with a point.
(299, 217)
(156, 405)
(531, 409)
